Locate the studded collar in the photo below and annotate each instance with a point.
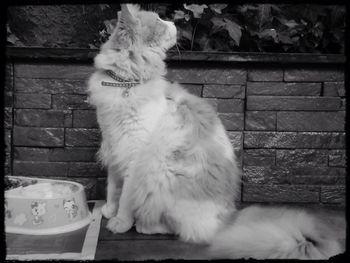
(121, 83)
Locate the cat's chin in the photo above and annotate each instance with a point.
(106, 58)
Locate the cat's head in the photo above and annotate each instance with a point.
(138, 42)
(142, 29)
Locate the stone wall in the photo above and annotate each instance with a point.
(285, 122)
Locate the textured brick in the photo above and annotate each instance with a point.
(251, 175)
(232, 121)
(290, 103)
(85, 170)
(224, 91)
(230, 105)
(260, 120)
(30, 136)
(213, 102)
(85, 119)
(236, 139)
(311, 121)
(284, 89)
(8, 99)
(55, 71)
(82, 137)
(43, 118)
(337, 158)
(50, 86)
(8, 120)
(207, 75)
(294, 140)
(265, 75)
(333, 194)
(33, 101)
(259, 157)
(69, 101)
(315, 74)
(101, 188)
(7, 140)
(343, 104)
(72, 154)
(334, 89)
(302, 157)
(7, 164)
(194, 89)
(280, 193)
(29, 168)
(317, 180)
(8, 78)
(31, 154)
(293, 175)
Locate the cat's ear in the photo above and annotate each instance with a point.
(128, 13)
(126, 32)
(133, 8)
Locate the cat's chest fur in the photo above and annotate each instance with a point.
(127, 122)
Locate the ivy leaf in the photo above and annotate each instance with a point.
(197, 10)
(185, 33)
(291, 23)
(285, 39)
(181, 15)
(218, 7)
(92, 46)
(234, 30)
(104, 6)
(12, 39)
(110, 25)
(218, 24)
(269, 33)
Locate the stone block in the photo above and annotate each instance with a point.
(43, 118)
(82, 137)
(293, 103)
(268, 74)
(224, 91)
(294, 140)
(280, 193)
(85, 119)
(313, 74)
(232, 121)
(311, 121)
(260, 120)
(45, 137)
(32, 101)
(284, 89)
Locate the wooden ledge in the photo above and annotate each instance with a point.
(82, 54)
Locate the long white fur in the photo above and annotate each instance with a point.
(175, 158)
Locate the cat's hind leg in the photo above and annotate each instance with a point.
(152, 229)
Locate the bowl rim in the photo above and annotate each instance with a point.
(8, 195)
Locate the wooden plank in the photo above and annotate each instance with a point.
(106, 235)
(146, 250)
(55, 71)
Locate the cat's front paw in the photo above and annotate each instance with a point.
(119, 225)
(108, 211)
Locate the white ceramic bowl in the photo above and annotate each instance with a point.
(44, 206)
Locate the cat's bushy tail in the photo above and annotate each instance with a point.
(267, 233)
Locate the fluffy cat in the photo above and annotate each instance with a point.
(171, 166)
